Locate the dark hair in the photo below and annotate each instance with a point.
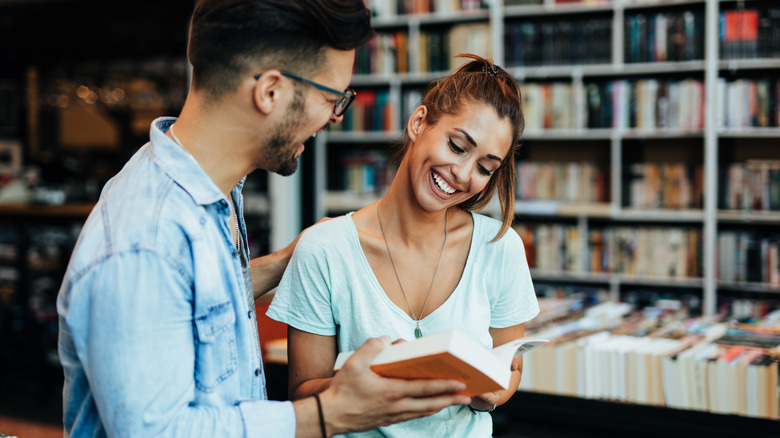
(230, 38)
(480, 81)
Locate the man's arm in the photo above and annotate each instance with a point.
(267, 270)
(131, 324)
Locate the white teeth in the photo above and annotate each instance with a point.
(446, 188)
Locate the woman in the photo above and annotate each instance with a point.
(420, 261)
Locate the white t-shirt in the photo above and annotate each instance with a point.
(329, 289)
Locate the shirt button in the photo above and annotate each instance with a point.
(249, 314)
(257, 372)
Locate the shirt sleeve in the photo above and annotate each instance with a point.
(303, 298)
(131, 324)
(515, 303)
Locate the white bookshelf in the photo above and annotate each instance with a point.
(703, 142)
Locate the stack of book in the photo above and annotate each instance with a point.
(659, 357)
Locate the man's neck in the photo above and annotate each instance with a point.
(216, 141)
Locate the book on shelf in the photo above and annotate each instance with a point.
(667, 252)
(666, 185)
(748, 102)
(748, 256)
(391, 8)
(664, 36)
(569, 181)
(452, 354)
(660, 357)
(372, 110)
(386, 54)
(750, 33)
(469, 38)
(547, 42)
(752, 185)
(646, 105)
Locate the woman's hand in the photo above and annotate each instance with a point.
(486, 401)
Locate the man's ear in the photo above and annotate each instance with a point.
(266, 90)
(416, 122)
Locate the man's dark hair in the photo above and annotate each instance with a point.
(229, 38)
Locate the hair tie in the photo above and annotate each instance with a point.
(491, 71)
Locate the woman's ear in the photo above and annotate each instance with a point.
(416, 122)
(266, 91)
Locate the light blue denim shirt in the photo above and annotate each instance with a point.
(157, 337)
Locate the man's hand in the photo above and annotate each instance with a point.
(267, 271)
(359, 399)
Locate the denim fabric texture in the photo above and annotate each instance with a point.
(157, 334)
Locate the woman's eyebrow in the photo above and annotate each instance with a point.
(474, 143)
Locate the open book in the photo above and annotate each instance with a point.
(450, 355)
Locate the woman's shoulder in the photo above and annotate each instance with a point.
(487, 228)
(328, 233)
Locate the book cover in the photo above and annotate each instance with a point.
(452, 354)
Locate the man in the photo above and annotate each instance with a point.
(158, 335)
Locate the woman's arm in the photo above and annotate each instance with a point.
(311, 358)
(488, 400)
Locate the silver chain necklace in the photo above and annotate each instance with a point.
(233, 213)
(417, 331)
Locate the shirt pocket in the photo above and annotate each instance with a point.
(217, 358)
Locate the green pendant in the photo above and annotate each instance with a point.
(417, 333)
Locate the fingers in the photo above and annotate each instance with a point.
(423, 388)
(367, 352)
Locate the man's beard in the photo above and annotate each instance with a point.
(280, 157)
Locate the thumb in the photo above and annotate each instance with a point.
(368, 351)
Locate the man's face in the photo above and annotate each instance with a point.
(309, 112)
(282, 149)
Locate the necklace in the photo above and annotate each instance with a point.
(233, 213)
(417, 331)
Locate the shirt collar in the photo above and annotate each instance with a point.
(182, 167)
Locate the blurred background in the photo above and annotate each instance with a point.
(648, 192)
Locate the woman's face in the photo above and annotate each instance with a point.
(452, 160)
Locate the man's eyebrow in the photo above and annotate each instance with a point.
(474, 143)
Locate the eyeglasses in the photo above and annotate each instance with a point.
(340, 106)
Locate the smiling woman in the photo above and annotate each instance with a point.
(421, 260)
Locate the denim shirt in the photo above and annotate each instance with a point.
(157, 336)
